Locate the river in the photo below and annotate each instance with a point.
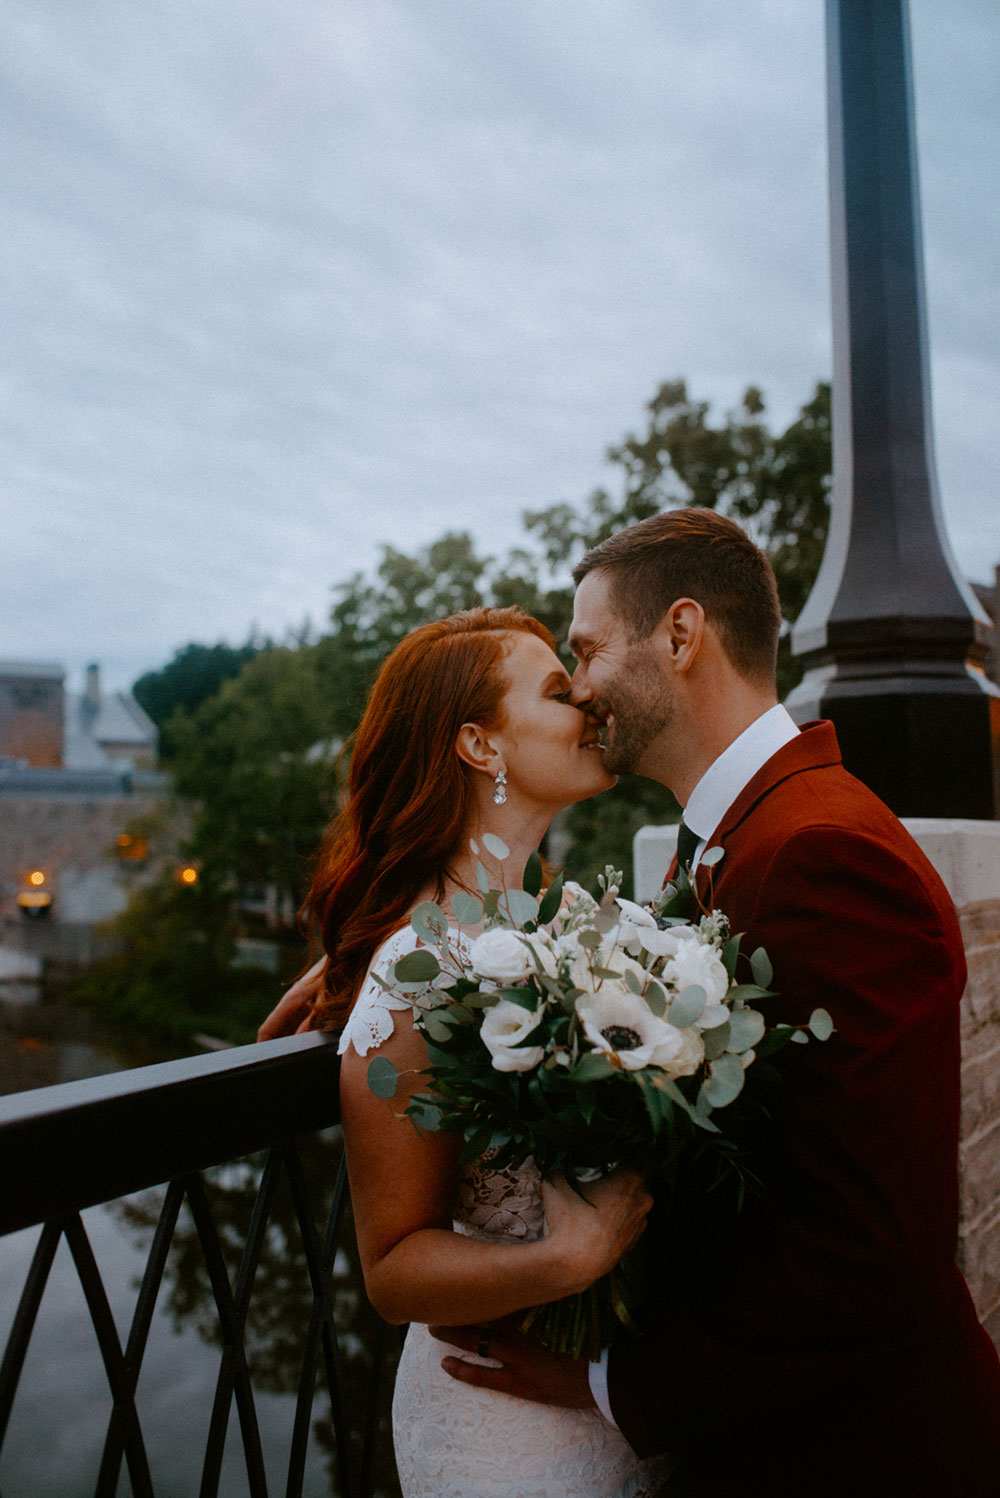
(56, 1434)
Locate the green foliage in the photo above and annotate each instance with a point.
(174, 975)
(195, 673)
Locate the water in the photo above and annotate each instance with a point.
(56, 1435)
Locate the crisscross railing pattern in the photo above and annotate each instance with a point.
(63, 1149)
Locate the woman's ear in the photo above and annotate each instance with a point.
(476, 748)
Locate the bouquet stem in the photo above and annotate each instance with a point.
(580, 1324)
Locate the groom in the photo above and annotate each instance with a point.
(822, 1343)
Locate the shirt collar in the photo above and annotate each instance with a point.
(735, 767)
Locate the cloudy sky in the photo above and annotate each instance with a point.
(287, 279)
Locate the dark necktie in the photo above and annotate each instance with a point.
(687, 843)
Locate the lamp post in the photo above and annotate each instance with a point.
(892, 638)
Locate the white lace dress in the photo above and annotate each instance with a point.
(456, 1441)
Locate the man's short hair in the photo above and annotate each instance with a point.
(695, 554)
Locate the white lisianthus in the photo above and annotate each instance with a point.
(501, 954)
(697, 964)
(621, 1024)
(503, 1027)
(669, 942)
(633, 922)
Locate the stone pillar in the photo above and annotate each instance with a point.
(967, 856)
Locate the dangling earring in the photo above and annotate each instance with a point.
(500, 788)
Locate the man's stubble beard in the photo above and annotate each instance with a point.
(642, 709)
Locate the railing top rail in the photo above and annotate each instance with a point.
(71, 1146)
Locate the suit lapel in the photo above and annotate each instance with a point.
(815, 746)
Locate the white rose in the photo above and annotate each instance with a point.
(544, 949)
(502, 955)
(503, 1027)
(680, 1053)
(622, 1024)
(693, 964)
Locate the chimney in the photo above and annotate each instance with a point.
(92, 687)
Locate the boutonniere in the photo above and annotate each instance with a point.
(679, 898)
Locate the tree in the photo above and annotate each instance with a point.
(195, 673)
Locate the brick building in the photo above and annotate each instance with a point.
(76, 770)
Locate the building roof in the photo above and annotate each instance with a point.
(50, 670)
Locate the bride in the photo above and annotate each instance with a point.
(468, 729)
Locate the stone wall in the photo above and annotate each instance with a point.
(967, 856)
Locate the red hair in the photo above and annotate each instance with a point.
(409, 795)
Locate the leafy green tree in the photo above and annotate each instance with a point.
(195, 673)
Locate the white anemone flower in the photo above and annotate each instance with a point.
(621, 1024)
(503, 1028)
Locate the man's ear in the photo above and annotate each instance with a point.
(681, 631)
(476, 748)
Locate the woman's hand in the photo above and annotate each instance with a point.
(590, 1235)
(293, 1012)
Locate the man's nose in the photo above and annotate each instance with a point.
(580, 692)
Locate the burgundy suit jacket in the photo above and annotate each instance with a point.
(824, 1342)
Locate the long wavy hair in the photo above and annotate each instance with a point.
(410, 797)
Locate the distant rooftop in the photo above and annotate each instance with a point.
(50, 670)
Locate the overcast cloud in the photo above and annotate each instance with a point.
(286, 280)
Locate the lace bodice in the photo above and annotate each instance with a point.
(490, 1204)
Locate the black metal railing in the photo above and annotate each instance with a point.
(64, 1149)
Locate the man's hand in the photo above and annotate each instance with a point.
(293, 1013)
(529, 1371)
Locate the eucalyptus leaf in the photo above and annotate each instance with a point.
(820, 1024)
(429, 921)
(632, 981)
(605, 974)
(425, 1115)
(688, 1006)
(522, 906)
(746, 1028)
(467, 910)
(589, 939)
(711, 857)
(532, 880)
(724, 1082)
(716, 1041)
(382, 1077)
(760, 966)
(434, 1024)
(799, 1037)
(482, 878)
(741, 993)
(474, 846)
(656, 997)
(496, 846)
(416, 967)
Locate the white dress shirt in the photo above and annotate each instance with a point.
(706, 806)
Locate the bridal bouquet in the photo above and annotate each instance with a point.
(584, 1032)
